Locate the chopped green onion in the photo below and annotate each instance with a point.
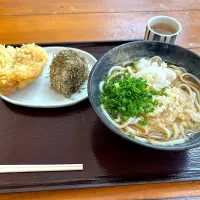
(129, 97)
(143, 122)
(116, 85)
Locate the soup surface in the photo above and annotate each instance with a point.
(164, 29)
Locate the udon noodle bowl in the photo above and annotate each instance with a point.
(152, 101)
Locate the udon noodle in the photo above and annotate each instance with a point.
(176, 116)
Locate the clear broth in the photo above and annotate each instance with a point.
(164, 29)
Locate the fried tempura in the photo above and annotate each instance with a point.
(20, 66)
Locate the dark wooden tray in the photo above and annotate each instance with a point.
(76, 135)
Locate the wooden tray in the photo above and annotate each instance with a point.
(76, 135)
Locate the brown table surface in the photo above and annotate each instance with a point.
(24, 21)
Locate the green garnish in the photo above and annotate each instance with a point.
(143, 122)
(161, 92)
(132, 64)
(129, 97)
(131, 135)
(116, 85)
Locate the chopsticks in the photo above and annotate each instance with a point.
(40, 168)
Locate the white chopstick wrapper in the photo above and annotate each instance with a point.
(39, 168)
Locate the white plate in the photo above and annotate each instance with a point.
(39, 93)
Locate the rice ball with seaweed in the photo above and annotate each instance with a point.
(68, 72)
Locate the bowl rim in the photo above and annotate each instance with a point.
(111, 126)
